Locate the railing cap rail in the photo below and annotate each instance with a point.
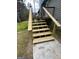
(53, 19)
(30, 20)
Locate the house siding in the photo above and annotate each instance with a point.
(57, 5)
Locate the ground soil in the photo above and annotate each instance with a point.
(24, 45)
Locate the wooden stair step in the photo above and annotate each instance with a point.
(39, 26)
(43, 39)
(38, 23)
(43, 29)
(41, 20)
(41, 34)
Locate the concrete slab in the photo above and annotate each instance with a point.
(47, 50)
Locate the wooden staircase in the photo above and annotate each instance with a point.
(38, 29)
(41, 32)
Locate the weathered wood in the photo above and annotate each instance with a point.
(53, 19)
(30, 20)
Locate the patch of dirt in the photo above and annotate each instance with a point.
(24, 45)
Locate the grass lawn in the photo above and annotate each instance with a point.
(22, 26)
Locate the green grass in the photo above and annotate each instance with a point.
(22, 26)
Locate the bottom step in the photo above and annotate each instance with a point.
(44, 39)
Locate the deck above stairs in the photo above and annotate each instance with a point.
(41, 32)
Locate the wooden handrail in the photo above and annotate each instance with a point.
(30, 20)
(54, 20)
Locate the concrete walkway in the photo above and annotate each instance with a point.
(47, 50)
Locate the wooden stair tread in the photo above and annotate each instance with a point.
(41, 20)
(43, 29)
(43, 39)
(40, 26)
(39, 23)
(41, 34)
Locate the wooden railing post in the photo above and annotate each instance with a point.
(54, 28)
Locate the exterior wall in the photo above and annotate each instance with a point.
(57, 5)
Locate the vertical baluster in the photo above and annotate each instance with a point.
(54, 28)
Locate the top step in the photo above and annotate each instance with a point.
(38, 21)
